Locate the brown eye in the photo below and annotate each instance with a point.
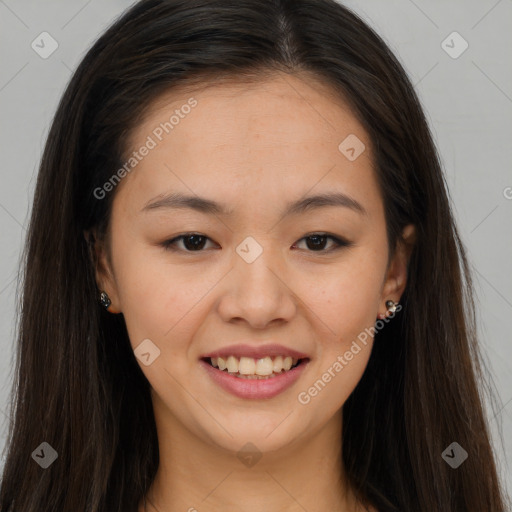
(195, 242)
(192, 242)
(316, 242)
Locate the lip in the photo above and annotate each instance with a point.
(253, 388)
(256, 352)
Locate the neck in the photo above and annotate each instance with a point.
(194, 474)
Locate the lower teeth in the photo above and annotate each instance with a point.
(259, 377)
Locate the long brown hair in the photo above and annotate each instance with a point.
(78, 386)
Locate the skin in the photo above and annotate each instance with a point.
(254, 148)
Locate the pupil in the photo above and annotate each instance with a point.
(316, 237)
(197, 245)
(318, 241)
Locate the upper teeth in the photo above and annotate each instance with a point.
(250, 366)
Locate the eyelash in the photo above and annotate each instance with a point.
(169, 245)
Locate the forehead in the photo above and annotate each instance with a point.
(278, 136)
(283, 105)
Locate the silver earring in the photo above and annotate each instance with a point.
(105, 300)
(391, 306)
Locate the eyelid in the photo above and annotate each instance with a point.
(340, 242)
(169, 244)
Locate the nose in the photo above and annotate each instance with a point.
(257, 292)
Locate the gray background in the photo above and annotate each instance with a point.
(468, 101)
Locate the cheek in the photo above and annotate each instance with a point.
(347, 298)
(156, 298)
(345, 305)
(344, 348)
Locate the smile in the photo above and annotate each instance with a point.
(240, 377)
(250, 368)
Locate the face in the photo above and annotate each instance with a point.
(247, 266)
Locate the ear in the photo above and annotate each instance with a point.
(396, 276)
(105, 280)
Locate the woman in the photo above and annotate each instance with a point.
(244, 287)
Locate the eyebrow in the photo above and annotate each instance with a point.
(177, 200)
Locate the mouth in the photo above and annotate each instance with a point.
(251, 378)
(255, 369)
